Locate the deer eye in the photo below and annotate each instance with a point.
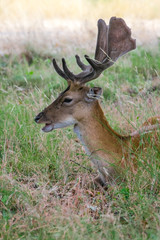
(67, 100)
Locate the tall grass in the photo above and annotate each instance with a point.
(43, 190)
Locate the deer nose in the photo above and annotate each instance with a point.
(38, 117)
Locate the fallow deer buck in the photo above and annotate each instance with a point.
(78, 105)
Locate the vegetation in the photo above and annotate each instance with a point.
(43, 190)
(82, 9)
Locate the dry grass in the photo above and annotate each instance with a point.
(28, 10)
(54, 26)
(53, 208)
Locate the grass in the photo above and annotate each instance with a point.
(43, 194)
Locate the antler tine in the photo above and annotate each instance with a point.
(95, 64)
(113, 41)
(59, 71)
(102, 41)
(80, 63)
(68, 73)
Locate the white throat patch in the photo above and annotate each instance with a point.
(67, 122)
(79, 135)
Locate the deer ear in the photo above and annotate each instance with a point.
(94, 94)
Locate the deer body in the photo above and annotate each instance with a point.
(97, 135)
(103, 145)
(78, 105)
(107, 149)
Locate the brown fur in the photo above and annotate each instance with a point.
(108, 150)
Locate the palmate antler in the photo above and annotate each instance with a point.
(113, 41)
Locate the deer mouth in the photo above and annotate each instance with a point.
(48, 127)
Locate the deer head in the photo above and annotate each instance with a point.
(78, 101)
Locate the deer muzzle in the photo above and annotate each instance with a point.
(38, 117)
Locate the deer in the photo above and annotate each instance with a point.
(79, 105)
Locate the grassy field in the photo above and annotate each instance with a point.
(43, 191)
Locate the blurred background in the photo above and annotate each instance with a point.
(55, 26)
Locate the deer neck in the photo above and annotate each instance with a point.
(97, 136)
